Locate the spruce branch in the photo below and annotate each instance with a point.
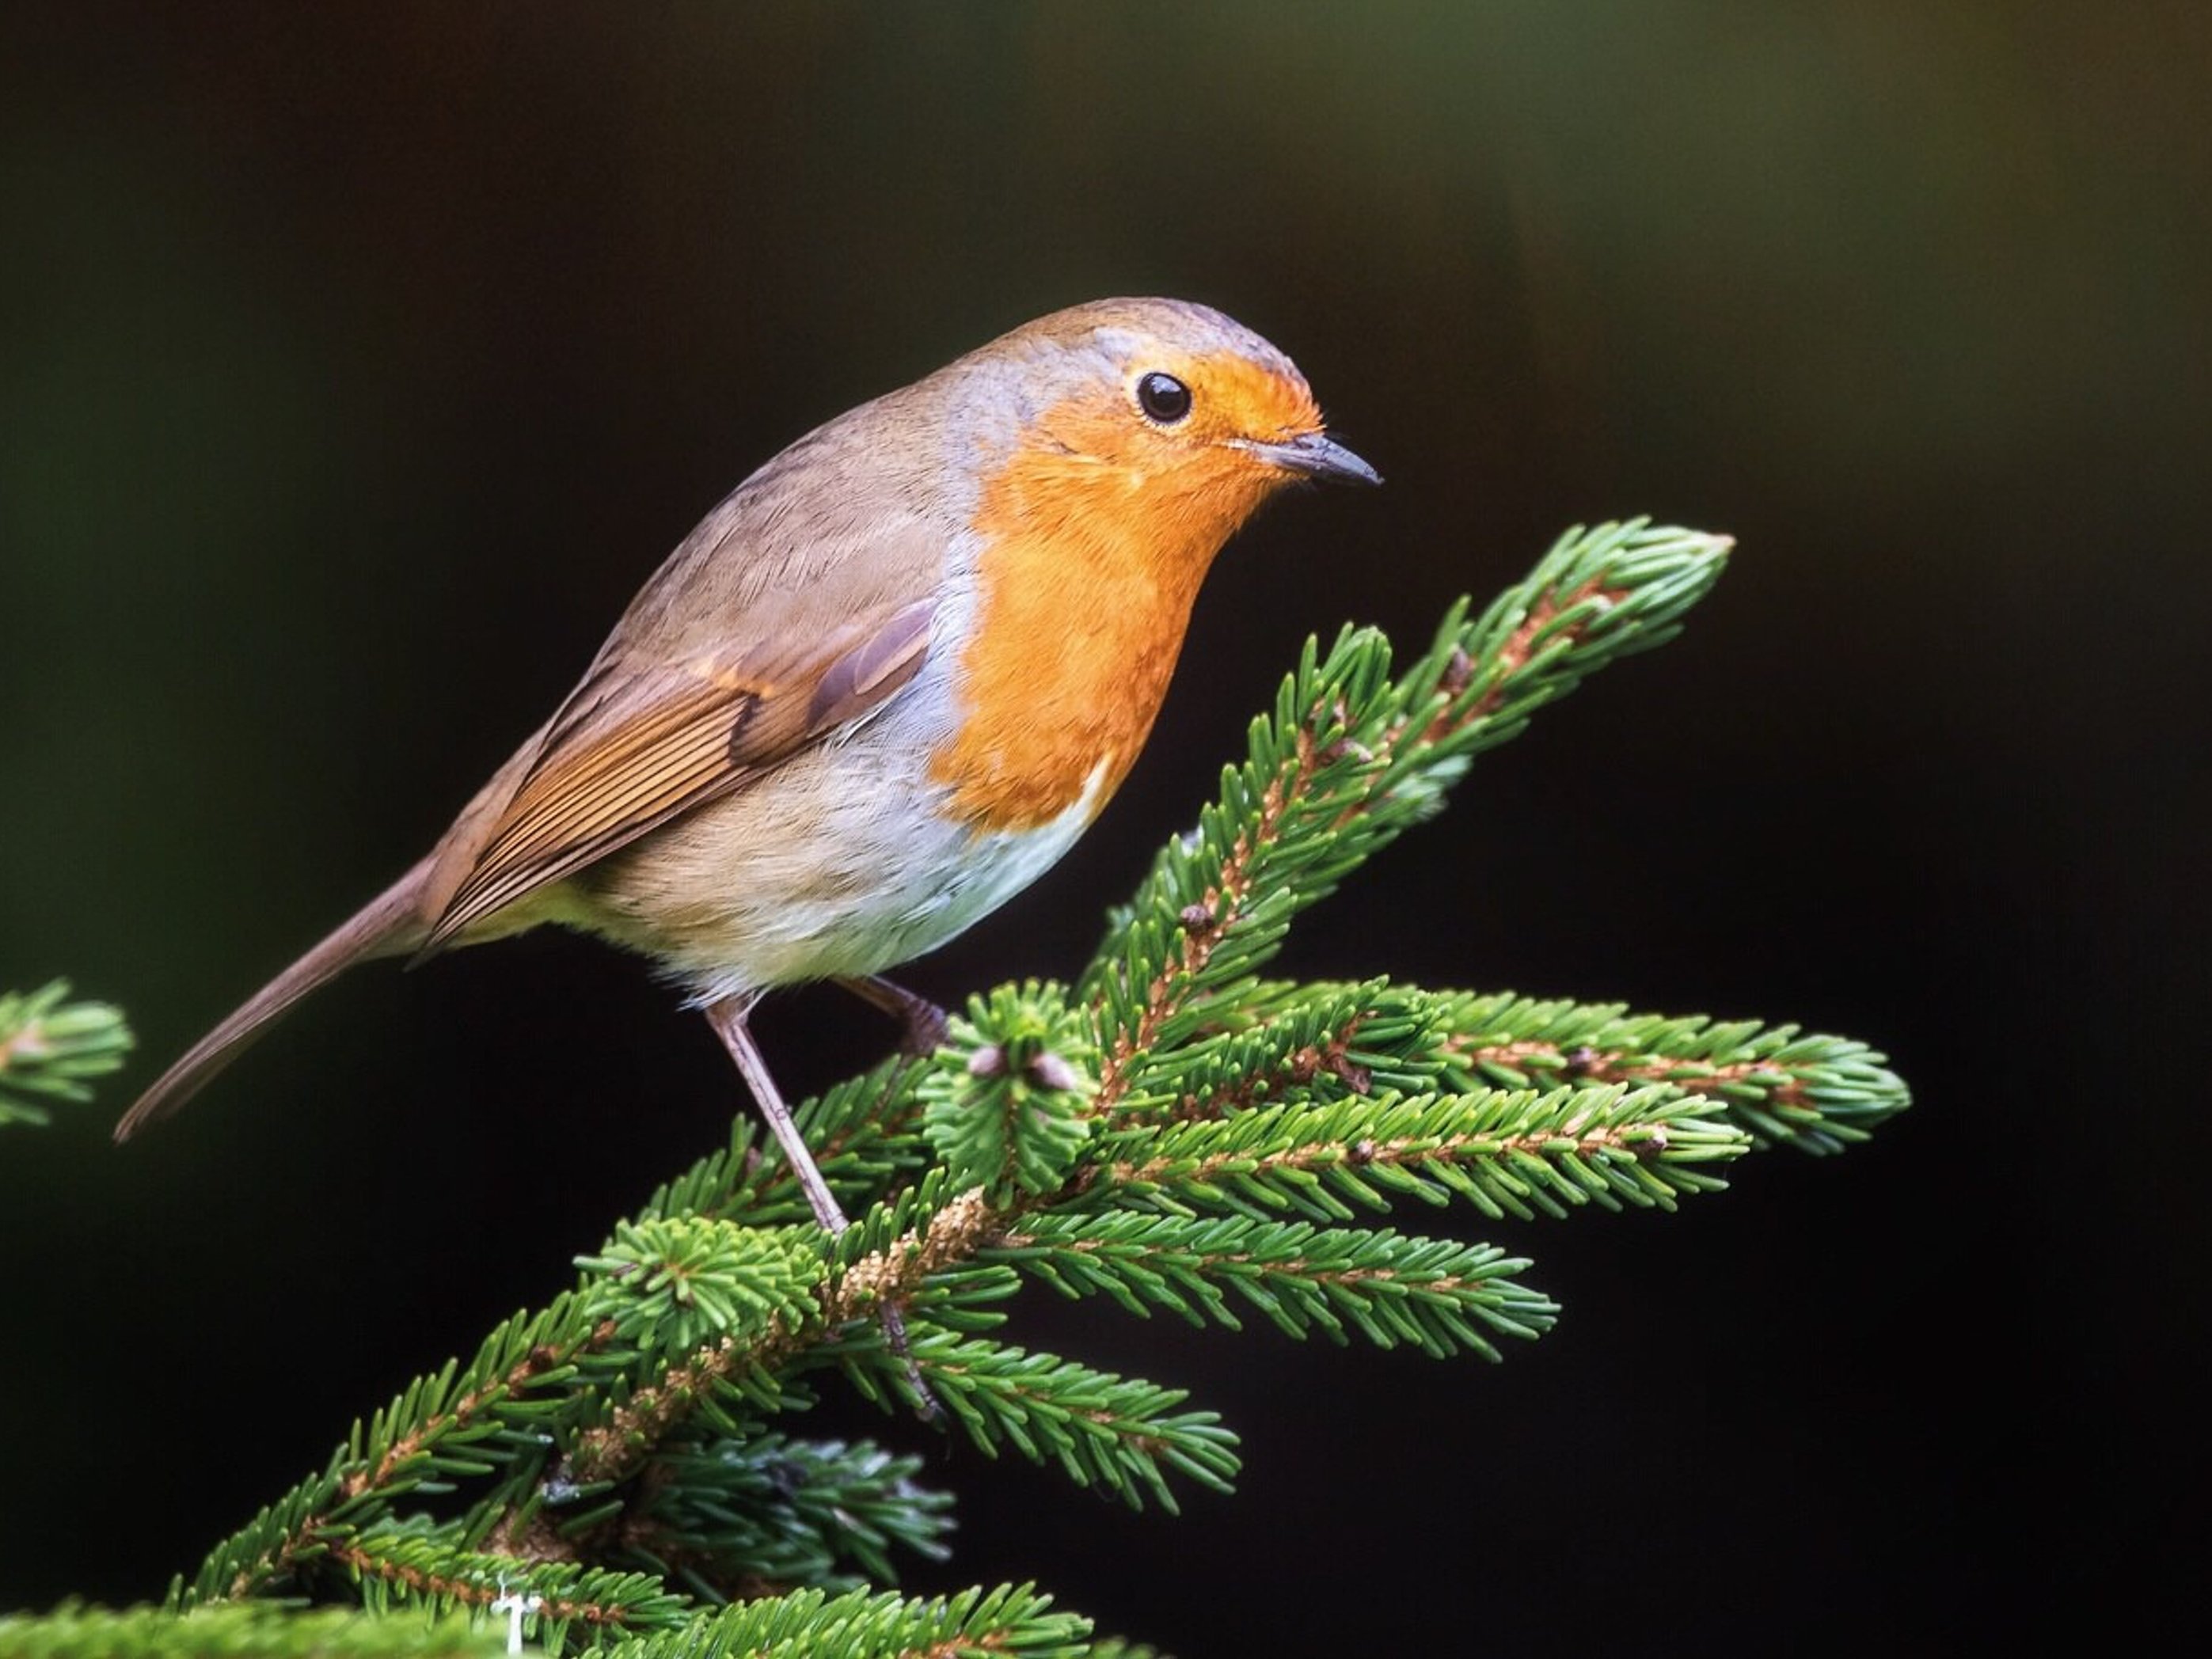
(1440, 1295)
(242, 1630)
(888, 1255)
(767, 1511)
(1350, 758)
(1102, 1430)
(393, 1567)
(1304, 1042)
(1007, 1102)
(692, 1278)
(1508, 1151)
(1014, 1620)
(1174, 1134)
(1282, 1042)
(50, 1046)
(1777, 1083)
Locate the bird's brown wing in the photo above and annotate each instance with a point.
(632, 748)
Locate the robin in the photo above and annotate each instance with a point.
(877, 691)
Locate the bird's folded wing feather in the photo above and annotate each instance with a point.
(632, 749)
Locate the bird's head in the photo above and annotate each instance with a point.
(1112, 449)
(1160, 415)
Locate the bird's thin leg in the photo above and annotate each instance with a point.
(728, 1017)
(922, 1023)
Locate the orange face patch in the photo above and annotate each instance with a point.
(1096, 534)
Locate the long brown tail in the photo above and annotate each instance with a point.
(388, 925)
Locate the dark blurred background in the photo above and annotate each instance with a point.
(356, 364)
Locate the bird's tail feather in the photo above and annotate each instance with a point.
(388, 925)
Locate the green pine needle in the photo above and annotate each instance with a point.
(565, 1604)
(1278, 1042)
(769, 1509)
(1105, 1430)
(1778, 1085)
(1012, 1620)
(675, 1282)
(1441, 1297)
(246, 1629)
(49, 1048)
(1518, 1152)
(1006, 1100)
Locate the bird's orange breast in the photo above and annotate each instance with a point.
(1091, 557)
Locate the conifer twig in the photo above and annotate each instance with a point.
(1173, 1133)
(49, 1048)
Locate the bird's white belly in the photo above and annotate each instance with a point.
(843, 860)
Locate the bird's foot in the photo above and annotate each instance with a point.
(922, 1023)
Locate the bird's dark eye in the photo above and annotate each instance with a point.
(1164, 398)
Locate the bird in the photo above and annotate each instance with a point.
(881, 688)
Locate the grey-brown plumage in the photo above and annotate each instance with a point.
(811, 747)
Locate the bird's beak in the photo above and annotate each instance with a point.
(1316, 455)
